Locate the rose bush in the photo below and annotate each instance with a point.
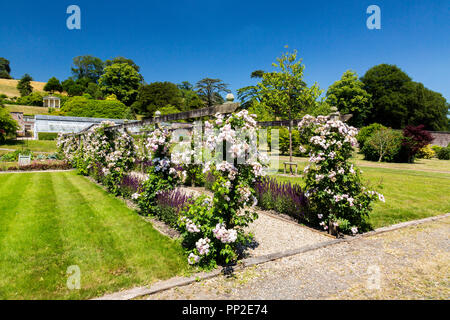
(333, 187)
(213, 230)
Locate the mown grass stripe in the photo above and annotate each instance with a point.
(136, 234)
(32, 249)
(91, 244)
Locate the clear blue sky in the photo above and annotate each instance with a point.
(188, 40)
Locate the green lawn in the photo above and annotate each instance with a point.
(409, 194)
(50, 221)
(33, 145)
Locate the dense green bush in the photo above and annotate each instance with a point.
(383, 145)
(84, 107)
(436, 149)
(444, 153)
(34, 99)
(8, 126)
(47, 135)
(366, 132)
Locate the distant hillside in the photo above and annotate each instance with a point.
(8, 87)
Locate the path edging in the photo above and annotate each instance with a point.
(179, 281)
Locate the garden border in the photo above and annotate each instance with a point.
(183, 281)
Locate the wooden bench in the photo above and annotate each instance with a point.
(290, 164)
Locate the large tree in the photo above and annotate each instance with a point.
(122, 80)
(24, 85)
(88, 66)
(5, 69)
(53, 85)
(283, 92)
(122, 60)
(157, 95)
(398, 101)
(210, 89)
(349, 96)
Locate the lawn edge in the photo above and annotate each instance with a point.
(183, 281)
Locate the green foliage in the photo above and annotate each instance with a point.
(84, 107)
(5, 69)
(14, 156)
(24, 85)
(53, 85)
(366, 132)
(436, 149)
(122, 80)
(122, 60)
(349, 96)
(88, 67)
(34, 99)
(47, 135)
(383, 145)
(284, 142)
(444, 153)
(156, 96)
(209, 90)
(94, 91)
(8, 126)
(284, 92)
(398, 101)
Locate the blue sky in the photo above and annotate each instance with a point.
(188, 40)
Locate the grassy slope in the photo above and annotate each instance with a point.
(78, 224)
(33, 145)
(9, 87)
(409, 194)
(27, 110)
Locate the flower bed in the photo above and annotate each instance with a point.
(37, 165)
(282, 197)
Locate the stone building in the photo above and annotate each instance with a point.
(26, 124)
(52, 102)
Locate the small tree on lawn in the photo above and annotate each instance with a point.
(285, 93)
(414, 139)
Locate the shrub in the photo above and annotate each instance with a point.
(334, 188)
(282, 197)
(436, 149)
(84, 107)
(444, 154)
(14, 156)
(47, 135)
(34, 99)
(414, 139)
(366, 132)
(8, 126)
(43, 165)
(169, 205)
(426, 152)
(383, 145)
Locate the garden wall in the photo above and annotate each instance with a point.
(440, 138)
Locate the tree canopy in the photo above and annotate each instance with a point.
(349, 96)
(24, 85)
(157, 95)
(88, 66)
(397, 101)
(122, 80)
(53, 85)
(209, 90)
(5, 69)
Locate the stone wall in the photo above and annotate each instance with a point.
(440, 138)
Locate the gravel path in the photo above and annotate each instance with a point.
(273, 233)
(412, 263)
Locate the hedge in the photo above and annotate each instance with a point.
(47, 135)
